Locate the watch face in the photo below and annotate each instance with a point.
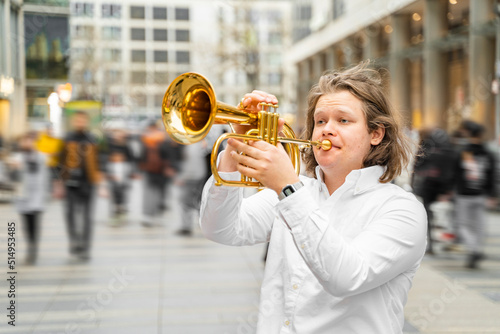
(288, 191)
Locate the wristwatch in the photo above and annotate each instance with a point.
(289, 189)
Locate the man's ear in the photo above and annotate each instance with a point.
(377, 135)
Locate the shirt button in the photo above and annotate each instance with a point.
(287, 323)
(295, 286)
(303, 246)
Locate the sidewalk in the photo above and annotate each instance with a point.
(148, 280)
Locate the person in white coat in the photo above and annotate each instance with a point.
(345, 243)
(32, 191)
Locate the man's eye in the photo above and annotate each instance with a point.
(320, 121)
(344, 121)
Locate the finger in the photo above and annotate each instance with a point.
(269, 98)
(247, 171)
(244, 148)
(281, 123)
(244, 160)
(261, 145)
(252, 100)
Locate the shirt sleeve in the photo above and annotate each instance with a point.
(228, 218)
(390, 244)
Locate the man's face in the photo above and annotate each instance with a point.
(339, 117)
(80, 122)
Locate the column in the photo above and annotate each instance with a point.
(332, 58)
(303, 89)
(481, 67)
(372, 42)
(399, 66)
(435, 65)
(317, 68)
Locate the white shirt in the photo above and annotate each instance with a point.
(336, 264)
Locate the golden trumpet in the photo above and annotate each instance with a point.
(190, 108)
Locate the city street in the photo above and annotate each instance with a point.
(149, 280)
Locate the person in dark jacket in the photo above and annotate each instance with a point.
(155, 167)
(432, 178)
(475, 181)
(79, 170)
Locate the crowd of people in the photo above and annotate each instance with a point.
(77, 168)
(458, 169)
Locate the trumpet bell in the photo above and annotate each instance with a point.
(189, 108)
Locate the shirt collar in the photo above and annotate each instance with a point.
(362, 179)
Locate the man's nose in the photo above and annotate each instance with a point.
(329, 129)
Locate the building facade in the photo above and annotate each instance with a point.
(440, 54)
(253, 40)
(12, 83)
(126, 53)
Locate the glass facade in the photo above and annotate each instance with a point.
(46, 46)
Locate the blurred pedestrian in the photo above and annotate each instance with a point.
(32, 190)
(79, 170)
(51, 146)
(475, 181)
(174, 164)
(119, 171)
(154, 165)
(432, 177)
(191, 180)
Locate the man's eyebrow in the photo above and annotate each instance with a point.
(339, 110)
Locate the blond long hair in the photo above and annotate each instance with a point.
(393, 152)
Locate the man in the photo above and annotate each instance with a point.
(344, 243)
(475, 181)
(155, 167)
(80, 174)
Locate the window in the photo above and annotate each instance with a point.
(160, 34)
(274, 58)
(139, 99)
(113, 76)
(138, 34)
(138, 77)
(111, 33)
(159, 100)
(113, 99)
(304, 13)
(275, 38)
(182, 35)
(161, 78)
(83, 32)
(182, 57)
(159, 13)
(274, 79)
(82, 9)
(137, 12)
(111, 11)
(160, 56)
(138, 56)
(338, 8)
(182, 14)
(114, 55)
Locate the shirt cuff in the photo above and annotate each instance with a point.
(296, 208)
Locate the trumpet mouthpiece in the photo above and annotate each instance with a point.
(325, 145)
